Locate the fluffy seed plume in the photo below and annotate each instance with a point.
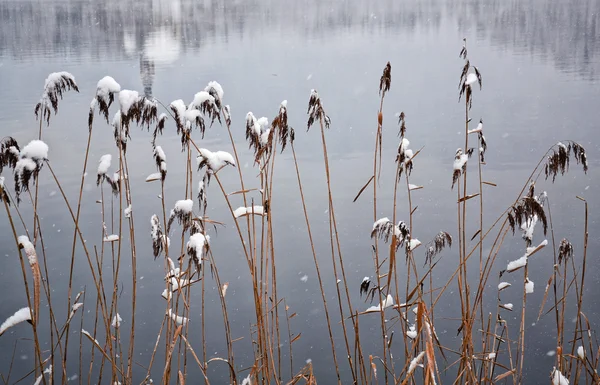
(526, 213)
(161, 161)
(56, 83)
(436, 245)
(3, 194)
(143, 110)
(315, 111)
(9, 153)
(565, 250)
(25, 243)
(384, 229)
(558, 161)
(158, 238)
(386, 79)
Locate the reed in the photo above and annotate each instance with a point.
(404, 298)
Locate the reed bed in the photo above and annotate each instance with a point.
(399, 290)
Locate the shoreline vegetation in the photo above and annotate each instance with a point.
(399, 290)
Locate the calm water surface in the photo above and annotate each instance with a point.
(540, 64)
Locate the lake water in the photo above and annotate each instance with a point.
(540, 62)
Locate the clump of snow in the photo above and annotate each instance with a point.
(411, 332)
(532, 250)
(217, 87)
(528, 286)
(471, 79)
(160, 154)
(128, 211)
(179, 320)
(413, 244)
(304, 278)
(581, 352)
(36, 150)
(104, 164)
(106, 86)
(214, 160)
(242, 211)
(414, 362)
(414, 187)
(517, 264)
(25, 165)
(153, 177)
(460, 161)
(558, 378)
(184, 206)
(387, 302)
(111, 238)
(26, 244)
(116, 321)
(507, 306)
(491, 356)
(503, 285)
(166, 294)
(128, 98)
(21, 315)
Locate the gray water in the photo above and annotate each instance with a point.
(540, 66)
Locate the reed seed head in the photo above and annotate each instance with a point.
(386, 79)
(56, 84)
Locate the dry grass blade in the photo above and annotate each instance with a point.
(363, 188)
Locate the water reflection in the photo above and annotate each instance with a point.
(558, 31)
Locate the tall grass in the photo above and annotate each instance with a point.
(400, 286)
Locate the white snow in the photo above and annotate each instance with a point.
(83, 331)
(36, 150)
(580, 352)
(116, 321)
(25, 164)
(57, 77)
(532, 250)
(106, 86)
(528, 286)
(166, 294)
(199, 99)
(179, 106)
(411, 332)
(217, 87)
(558, 378)
(471, 79)
(304, 278)
(128, 98)
(128, 211)
(160, 154)
(153, 177)
(460, 162)
(387, 302)
(215, 160)
(197, 243)
(413, 244)
(491, 356)
(21, 315)
(179, 320)
(414, 187)
(507, 306)
(184, 206)
(104, 164)
(517, 264)
(111, 238)
(24, 242)
(241, 211)
(380, 222)
(414, 362)
(503, 285)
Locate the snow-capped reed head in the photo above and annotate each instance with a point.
(227, 114)
(437, 244)
(106, 89)
(459, 166)
(25, 244)
(103, 166)
(216, 91)
(9, 153)
(121, 133)
(35, 150)
(280, 125)
(182, 211)
(565, 250)
(205, 102)
(158, 238)
(315, 110)
(196, 247)
(384, 229)
(160, 126)
(469, 76)
(526, 213)
(25, 170)
(116, 321)
(56, 83)
(134, 107)
(3, 193)
(558, 161)
(386, 79)
(214, 161)
(202, 199)
(161, 161)
(364, 285)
